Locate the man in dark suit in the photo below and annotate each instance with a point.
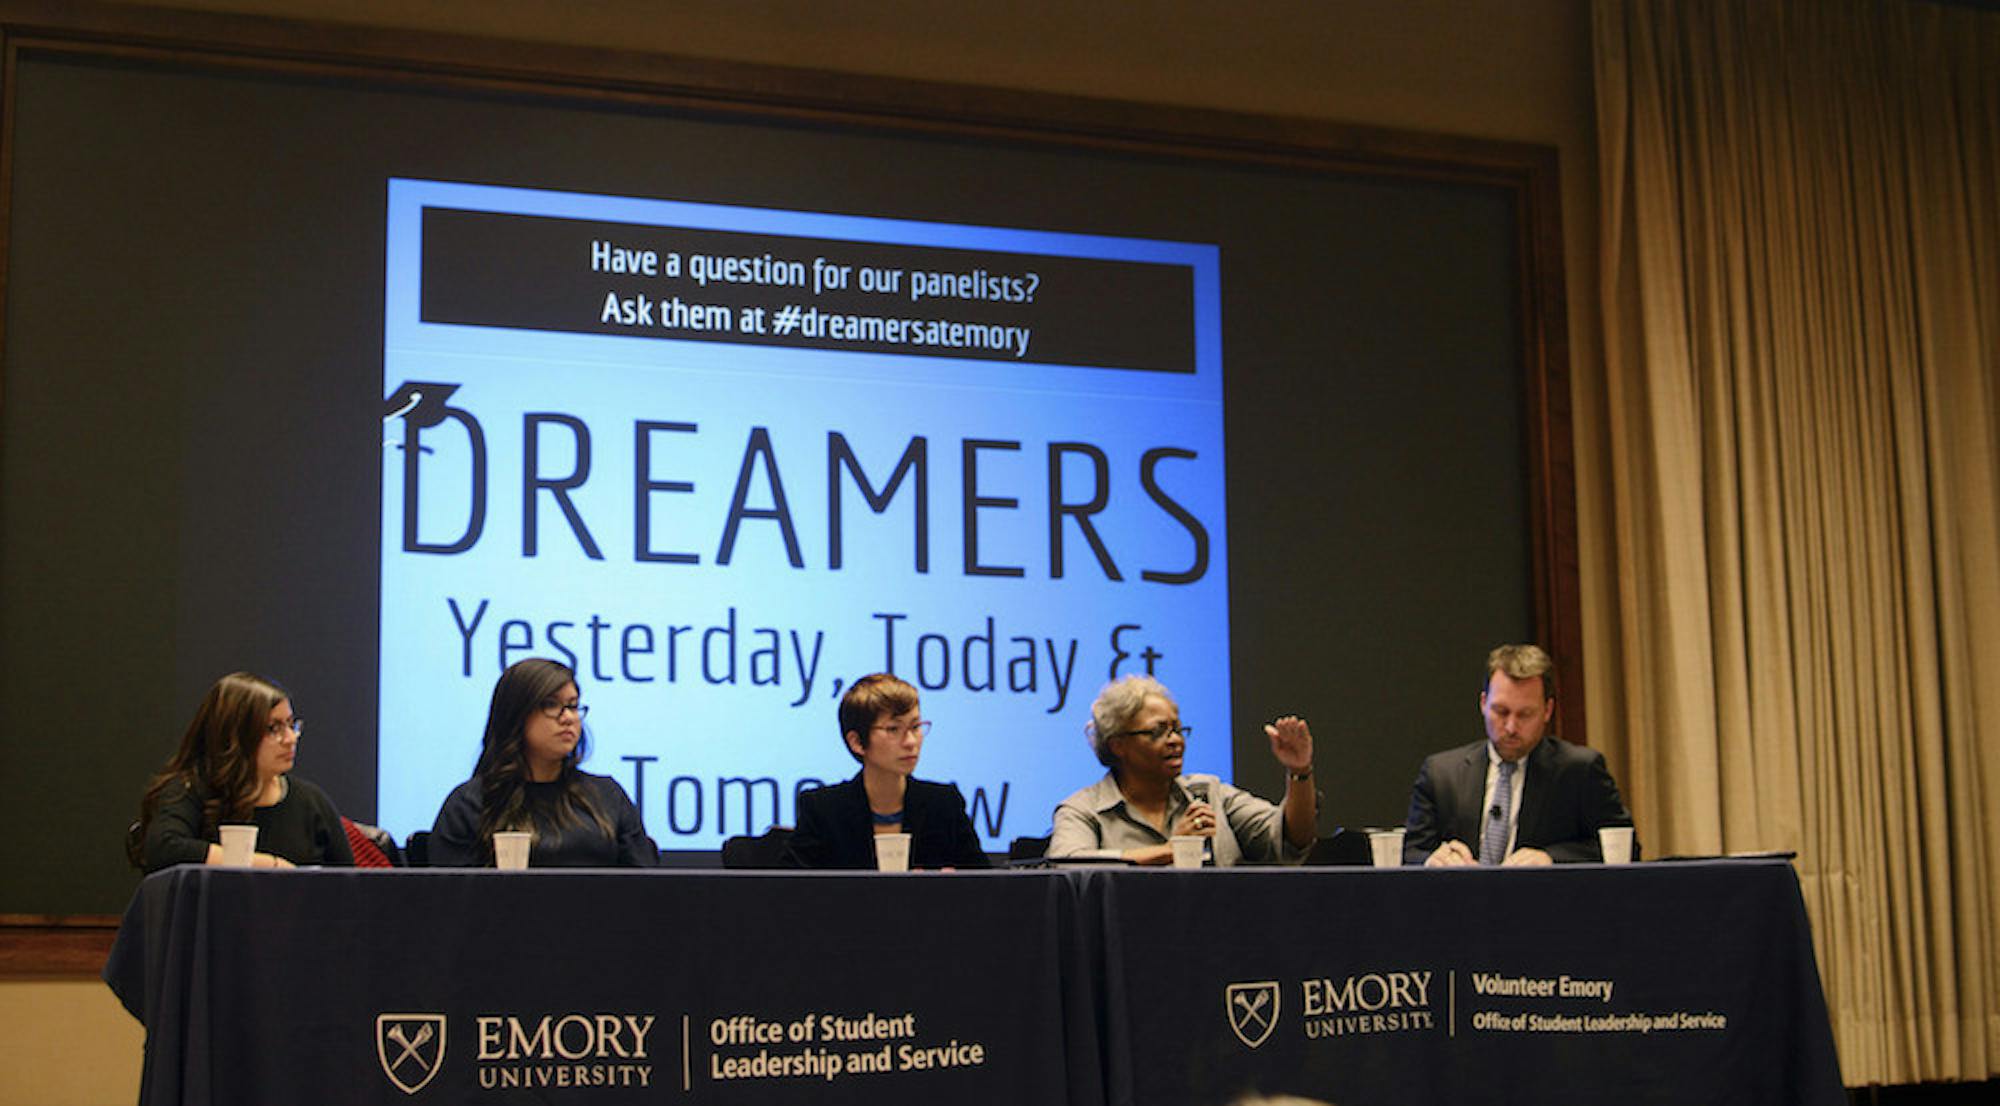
(1518, 797)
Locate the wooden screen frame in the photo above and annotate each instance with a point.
(547, 73)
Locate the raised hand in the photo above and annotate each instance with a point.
(1291, 742)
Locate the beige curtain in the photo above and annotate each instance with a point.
(1801, 288)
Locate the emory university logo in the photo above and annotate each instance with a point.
(411, 1047)
(1252, 1009)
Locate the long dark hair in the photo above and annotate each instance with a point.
(503, 760)
(217, 759)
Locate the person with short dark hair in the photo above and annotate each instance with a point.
(883, 727)
(527, 779)
(234, 765)
(1519, 796)
(1144, 801)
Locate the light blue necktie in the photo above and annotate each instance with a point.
(1493, 844)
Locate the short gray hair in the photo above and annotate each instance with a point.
(1116, 705)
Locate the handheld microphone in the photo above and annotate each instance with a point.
(1201, 788)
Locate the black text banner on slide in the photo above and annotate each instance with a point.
(724, 460)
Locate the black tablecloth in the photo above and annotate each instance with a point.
(603, 987)
(1465, 986)
(1127, 987)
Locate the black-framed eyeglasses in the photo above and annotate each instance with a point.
(1162, 731)
(921, 729)
(293, 725)
(555, 710)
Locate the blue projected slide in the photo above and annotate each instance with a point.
(722, 461)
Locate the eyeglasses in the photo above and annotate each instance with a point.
(921, 729)
(277, 730)
(1161, 731)
(555, 710)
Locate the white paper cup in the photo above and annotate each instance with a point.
(510, 850)
(239, 843)
(1386, 846)
(1187, 850)
(1616, 841)
(892, 852)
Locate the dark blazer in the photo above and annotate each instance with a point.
(835, 829)
(1569, 795)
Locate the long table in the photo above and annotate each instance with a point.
(1653, 983)
(1675, 982)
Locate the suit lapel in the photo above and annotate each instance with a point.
(854, 815)
(1473, 786)
(1538, 777)
(913, 814)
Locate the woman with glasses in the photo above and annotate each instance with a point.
(883, 728)
(234, 765)
(527, 779)
(1144, 800)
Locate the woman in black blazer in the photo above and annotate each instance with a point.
(884, 730)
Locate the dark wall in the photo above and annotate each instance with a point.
(190, 429)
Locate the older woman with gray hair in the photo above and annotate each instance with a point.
(1144, 801)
